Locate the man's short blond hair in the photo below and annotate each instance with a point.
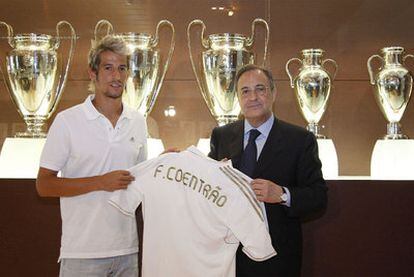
(111, 43)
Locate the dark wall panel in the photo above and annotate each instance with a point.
(366, 230)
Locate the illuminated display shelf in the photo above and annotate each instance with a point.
(327, 154)
(19, 157)
(391, 159)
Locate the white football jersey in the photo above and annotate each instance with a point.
(196, 211)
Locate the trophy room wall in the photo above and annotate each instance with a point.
(349, 32)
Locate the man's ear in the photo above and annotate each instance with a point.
(92, 74)
(274, 93)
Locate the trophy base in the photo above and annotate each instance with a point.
(329, 158)
(19, 157)
(393, 160)
(314, 128)
(394, 131)
(226, 119)
(320, 136)
(30, 135)
(395, 136)
(35, 126)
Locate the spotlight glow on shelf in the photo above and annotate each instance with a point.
(170, 111)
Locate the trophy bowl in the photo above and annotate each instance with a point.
(36, 76)
(224, 54)
(392, 87)
(145, 75)
(312, 86)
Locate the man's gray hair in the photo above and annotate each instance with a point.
(251, 67)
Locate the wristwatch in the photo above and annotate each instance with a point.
(283, 196)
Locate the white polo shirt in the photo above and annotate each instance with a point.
(81, 143)
(196, 211)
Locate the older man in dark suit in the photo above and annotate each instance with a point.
(283, 161)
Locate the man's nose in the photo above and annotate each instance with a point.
(117, 74)
(252, 95)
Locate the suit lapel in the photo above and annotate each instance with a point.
(270, 150)
(236, 143)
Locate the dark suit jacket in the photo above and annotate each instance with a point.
(289, 158)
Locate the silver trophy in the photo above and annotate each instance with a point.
(393, 84)
(145, 77)
(224, 55)
(36, 75)
(312, 86)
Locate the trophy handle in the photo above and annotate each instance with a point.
(205, 44)
(3, 67)
(62, 81)
(371, 73)
(288, 71)
(101, 24)
(10, 34)
(407, 56)
(204, 41)
(334, 63)
(250, 40)
(170, 52)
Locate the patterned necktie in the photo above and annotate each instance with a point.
(249, 156)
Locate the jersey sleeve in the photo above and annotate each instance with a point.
(127, 200)
(246, 218)
(57, 146)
